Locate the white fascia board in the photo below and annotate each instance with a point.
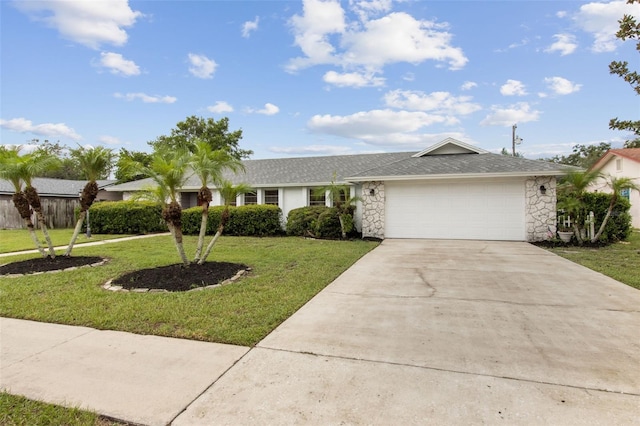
(455, 176)
(275, 185)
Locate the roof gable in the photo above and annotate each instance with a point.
(632, 154)
(450, 146)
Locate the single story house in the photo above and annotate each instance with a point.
(59, 198)
(623, 162)
(449, 190)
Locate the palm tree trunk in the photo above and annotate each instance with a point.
(177, 239)
(76, 232)
(211, 244)
(604, 221)
(576, 232)
(203, 231)
(45, 232)
(344, 234)
(34, 237)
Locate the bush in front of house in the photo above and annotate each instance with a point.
(314, 221)
(253, 220)
(126, 217)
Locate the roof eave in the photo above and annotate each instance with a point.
(455, 176)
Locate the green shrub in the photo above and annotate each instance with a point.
(618, 227)
(252, 220)
(126, 217)
(314, 221)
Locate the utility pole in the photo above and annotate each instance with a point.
(515, 140)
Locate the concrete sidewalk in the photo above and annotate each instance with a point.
(93, 243)
(416, 332)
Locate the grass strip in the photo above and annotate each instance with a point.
(18, 239)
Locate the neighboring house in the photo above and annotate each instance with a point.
(58, 197)
(623, 162)
(450, 190)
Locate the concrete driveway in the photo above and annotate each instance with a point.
(444, 332)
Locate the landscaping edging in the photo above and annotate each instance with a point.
(118, 288)
(73, 268)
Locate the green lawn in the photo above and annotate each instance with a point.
(19, 239)
(287, 272)
(620, 261)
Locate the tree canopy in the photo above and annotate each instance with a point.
(583, 155)
(215, 133)
(127, 157)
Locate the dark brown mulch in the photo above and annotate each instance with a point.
(40, 264)
(178, 277)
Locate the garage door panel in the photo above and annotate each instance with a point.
(457, 210)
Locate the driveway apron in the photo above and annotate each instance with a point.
(444, 332)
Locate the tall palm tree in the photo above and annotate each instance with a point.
(617, 185)
(209, 164)
(229, 192)
(12, 166)
(573, 188)
(168, 170)
(95, 163)
(340, 196)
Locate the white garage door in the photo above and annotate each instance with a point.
(468, 210)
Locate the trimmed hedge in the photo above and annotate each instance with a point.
(314, 221)
(253, 220)
(126, 217)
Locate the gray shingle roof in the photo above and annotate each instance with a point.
(48, 187)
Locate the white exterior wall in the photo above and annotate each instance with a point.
(292, 198)
(630, 169)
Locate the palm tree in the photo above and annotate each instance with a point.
(95, 163)
(573, 188)
(12, 166)
(168, 170)
(340, 196)
(229, 192)
(617, 185)
(209, 164)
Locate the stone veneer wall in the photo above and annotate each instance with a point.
(373, 210)
(540, 209)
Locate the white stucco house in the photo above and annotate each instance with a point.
(623, 162)
(450, 190)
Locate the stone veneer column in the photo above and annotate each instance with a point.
(540, 209)
(373, 210)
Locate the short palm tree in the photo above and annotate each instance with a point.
(342, 201)
(208, 165)
(229, 192)
(95, 163)
(12, 166)
(617, 185)
(573, 188)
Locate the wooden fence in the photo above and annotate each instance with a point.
(58, 212)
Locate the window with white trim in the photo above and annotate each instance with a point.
(316, 199)
(271, 197)
(250, 198)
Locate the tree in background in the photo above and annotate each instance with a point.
(124, 157)
(94, 163)
(215, 133)
(629, 29)
(209, 164)
(504, 151)
(583, 156)
(67, 168)
(11, 169)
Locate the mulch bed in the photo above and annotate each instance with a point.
(180, 278)
(47, 264)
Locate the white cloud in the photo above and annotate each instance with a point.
(513, 88)
(325, 37)
(517, 113)
(118, 65)
(109, 140)
(409, 76)
(565, 44)
(312, 150)
(562, 86)
(220, 107)
(468, 85)
(90, 23)
(438, 102)
(201, 66)
(601, 20)
(148, 99)
(49, 130)
(367, 8)
(250, 26)
(353, 79)
(561, 14)
(269, 109)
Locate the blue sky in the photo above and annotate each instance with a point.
(317, 77)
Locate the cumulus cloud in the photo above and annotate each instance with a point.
(269, 109)
(513, 88)
(90, 23)
(468, 85)
(601, 20)
(325, 37)
(147, 99)
(368, 8)
(118, 65)
(201, 66)
(220, 107)
(109, 140)
(312, 150)
(565, 44)
(561, 86)
(517, 113)
(49, 130)
(438, 102)
(353, 79)
(250, 26)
